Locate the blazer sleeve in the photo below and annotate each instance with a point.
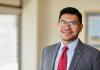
(96, 65)
(41, 61)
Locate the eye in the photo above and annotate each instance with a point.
(73, 23)
(62, 22)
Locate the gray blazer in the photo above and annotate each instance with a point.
(85, 57)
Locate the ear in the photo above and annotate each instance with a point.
(81, 27)
(57, 25)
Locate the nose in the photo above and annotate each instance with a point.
(67, 26)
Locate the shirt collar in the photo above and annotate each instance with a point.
(72, 45)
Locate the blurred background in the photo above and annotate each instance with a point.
(27, 26)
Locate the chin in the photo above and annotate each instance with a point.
(69, 38)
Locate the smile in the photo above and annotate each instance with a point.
(67, 32)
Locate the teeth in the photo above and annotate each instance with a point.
(66, 32)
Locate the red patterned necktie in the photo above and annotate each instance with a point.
(62, 64)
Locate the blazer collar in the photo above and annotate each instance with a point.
(77, 55)
(54, 54)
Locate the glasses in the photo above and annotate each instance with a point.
(63, 23)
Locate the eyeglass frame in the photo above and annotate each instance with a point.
(73, 23)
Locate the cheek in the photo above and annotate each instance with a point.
(60, 29)
(76, 31)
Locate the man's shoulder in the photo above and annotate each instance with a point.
(91, 49)
(52, 46)
(88, 49)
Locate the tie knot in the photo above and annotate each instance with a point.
(65, 48)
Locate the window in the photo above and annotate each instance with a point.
(8, 42)
(92, 27)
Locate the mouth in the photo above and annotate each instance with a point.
(67, 33)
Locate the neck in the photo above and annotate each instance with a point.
(68, 42)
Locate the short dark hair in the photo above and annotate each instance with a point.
(71, 10)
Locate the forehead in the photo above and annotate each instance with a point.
(69, 17)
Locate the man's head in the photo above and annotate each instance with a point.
(69, 24)
(73, 11)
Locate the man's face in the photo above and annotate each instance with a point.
(69, 27)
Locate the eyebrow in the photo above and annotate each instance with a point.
(69, 21)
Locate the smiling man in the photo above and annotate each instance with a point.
(70, 53)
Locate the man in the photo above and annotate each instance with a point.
(70, 53)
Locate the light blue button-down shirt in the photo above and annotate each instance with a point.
(70, 53)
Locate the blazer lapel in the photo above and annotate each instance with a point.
(76, 57)
(54, 54)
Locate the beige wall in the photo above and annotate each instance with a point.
(29, 35)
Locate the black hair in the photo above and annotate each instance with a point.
(71, 10)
